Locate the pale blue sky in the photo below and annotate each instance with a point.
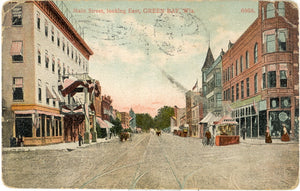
(131, 49)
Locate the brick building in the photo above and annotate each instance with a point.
(260, 72)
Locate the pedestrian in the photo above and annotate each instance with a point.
(285, 136)
(244, 133)
(79, 139)
(208, 136)
(268, 136)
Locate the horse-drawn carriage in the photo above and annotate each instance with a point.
(124, 136)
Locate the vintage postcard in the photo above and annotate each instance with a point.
(155, 95)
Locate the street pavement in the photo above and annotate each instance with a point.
(151, 162)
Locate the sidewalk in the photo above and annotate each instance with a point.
(260, 141)
(59, 146)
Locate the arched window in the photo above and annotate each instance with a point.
(241, 64)
(270, 10)
(281, 9)
(255, 53)
(247, 60)
(263, 13)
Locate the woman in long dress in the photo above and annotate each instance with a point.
(268, 136)
(285, 136)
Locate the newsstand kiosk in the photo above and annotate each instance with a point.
(226, 131)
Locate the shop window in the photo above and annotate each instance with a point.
(17, 16)
(283, 78)
(281, 9)
(241, 64)
(255, 83)
(270, 10)
(255, 53)
(38, 21)
(271, 79)
(285, 102)
(282, 34)
(237, 91)
(270, 43)
(248, 87)
(23, 126)
(242, 89)
(16, 51)
(247, 60)
(46, 28)
(274, 103)
(18, 89)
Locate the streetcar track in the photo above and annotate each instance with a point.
(113, 163)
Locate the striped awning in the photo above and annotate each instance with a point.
(101, 123)
(16, 48)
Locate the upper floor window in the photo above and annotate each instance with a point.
(17, 88)
(270, 10)
(232, 71)
(281, 9)
(263, 78)
(38, 21)
(255, 53)
(17, 16)
(68, 50)
(40, 90)
(16, 51)
(218, 79)
(242, 89)
(270, 43)
(39, 56)
(248, 87)
(63, 45)
(52, 34)
(46, 59)
(72, 54)
(282, 36)
(232, 94)
(247, 60)
(237, 91)
(283, 78)
(46, 28)
(271, 79)
(53, 64)
(241, 64)
(255, 83)
(58, 39)
(236, 67)
(263, 13)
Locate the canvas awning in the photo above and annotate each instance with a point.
(37, 111)
(209, 118)
(110, 125)
(16, 48)
(226, 120)
(101, 123)
(49, 93)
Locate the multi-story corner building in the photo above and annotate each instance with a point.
(260, 71)
(39, 46)
(213, 84)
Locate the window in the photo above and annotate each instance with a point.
(219, 99)
(248, 86)
(39, 56)
(281, 9)
(204, 76)
(68, 50)
(53, 64)
(17, 16)
(242, 89)
(285, 102)
(16, 51)
(236, 67)
(46, 59)
(40, 94)
(52, 34)
(18, 89)
(58, 39)
(247, 60)
(282, 34)
(39, 90)
(255, 83)
(270, 43)
(76, 57)
(264, 80)
(72, 54)
(255, 53)
(46, 28)
(274, 103)
(38, 21)
(232, 71)
(263, 13)
(241, 64)
(218, 79)
(232, 94)
(271, 79)
(64, 45)
(237, 91)
(64, 70)
(283, 78)
(270, 10)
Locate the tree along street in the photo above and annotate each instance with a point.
(152, 162)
